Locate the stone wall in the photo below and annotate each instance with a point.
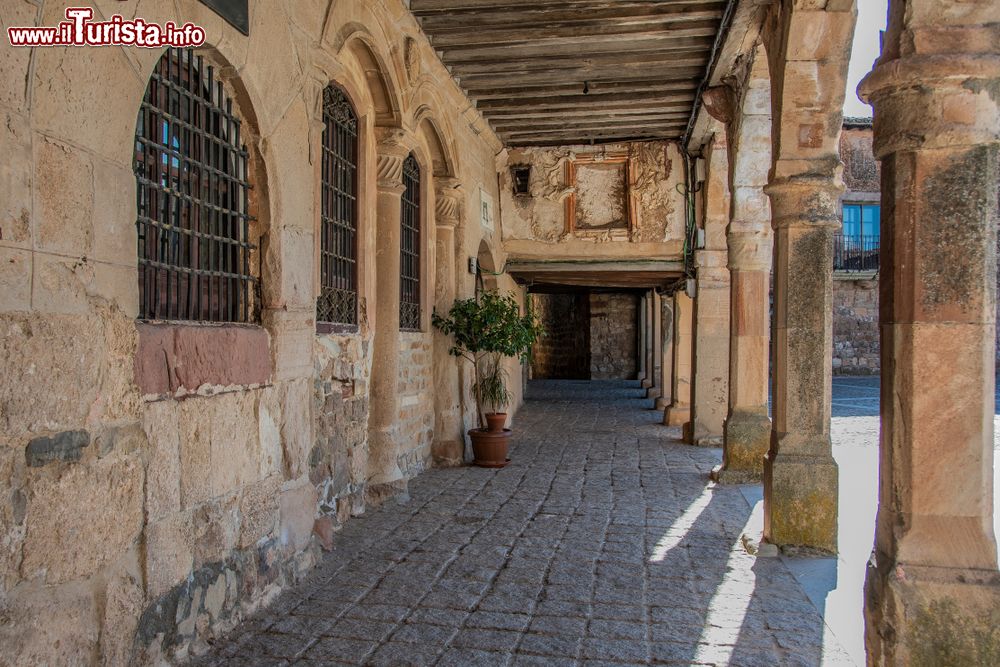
(416, 403)
(563, 353)
(862, 172)
(613, 335)
(337, 457)
(157, 484)
(536, 224)
(855, 326)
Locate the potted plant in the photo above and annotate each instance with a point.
(487, 329)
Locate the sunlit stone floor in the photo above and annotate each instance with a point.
(603, 543)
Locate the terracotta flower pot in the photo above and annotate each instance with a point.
(496, 421)
(490, 448)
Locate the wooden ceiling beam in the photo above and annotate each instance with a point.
(524, 64)
(575, 88)
(614, 114)
(541, 14)
(594, 101)
(586, 133)
(549, 34)
(432, 7)
(656, 124)
(477, 82)
(582, 48)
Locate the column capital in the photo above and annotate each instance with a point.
(448, 196)
(810, 198)
(391, 150)
(933, 101)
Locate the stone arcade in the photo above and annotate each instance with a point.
(218, 266)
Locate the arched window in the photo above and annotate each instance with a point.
(337, 304)
(409, 245)
(192, 196)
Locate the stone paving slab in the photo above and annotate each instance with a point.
(603, 543)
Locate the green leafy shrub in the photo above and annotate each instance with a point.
(486, 329)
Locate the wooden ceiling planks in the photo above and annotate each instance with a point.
(525, 63)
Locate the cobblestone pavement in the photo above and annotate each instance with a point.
(603, 543)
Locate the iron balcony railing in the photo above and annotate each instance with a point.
(855, 253)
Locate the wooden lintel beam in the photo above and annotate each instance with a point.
(694, 24)
(581, 48)
(575, 88)
(589, 100)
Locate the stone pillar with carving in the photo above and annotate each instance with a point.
(933, 589)
(449, 439)
(384, 474)
(678, 412)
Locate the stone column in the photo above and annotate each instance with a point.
(748, 427)
(656, 358)
(641, 343)
(666, 352)
(678, 412)
(933, 593)
(800, 475)
(808, 49)
(449, 439)
(710, 377)
(384, 474)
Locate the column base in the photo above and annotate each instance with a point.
(448, 453)
(376, 494)
(652, 392)
(699, 436)
(677, 415)
(721, 475)
(646, 384)
(662, 402)
(383, 460)
(918, 615)
(800, 502)
(745, 444)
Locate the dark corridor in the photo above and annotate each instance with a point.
(591, 334)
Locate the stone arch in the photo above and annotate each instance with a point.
(749, 132)
(442, 163)
(359, 44)
(486, 278)
(807, 87)
(429, 123)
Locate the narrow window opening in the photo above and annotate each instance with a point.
(337, 303)
(409, 260)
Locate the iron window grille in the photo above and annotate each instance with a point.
(192, 196)
(409, 261)
(337, 304)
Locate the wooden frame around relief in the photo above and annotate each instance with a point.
(629, 205)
